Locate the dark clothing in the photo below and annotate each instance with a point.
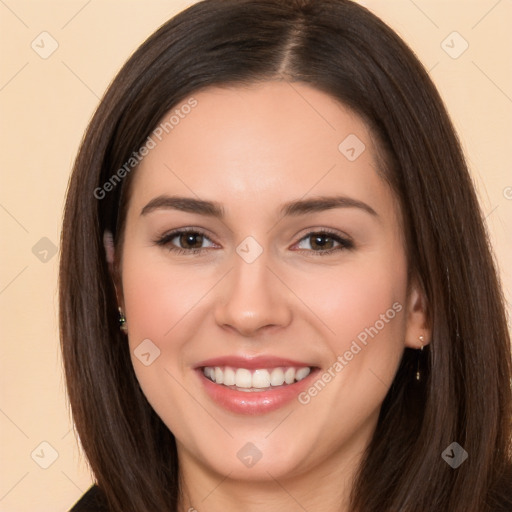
(92, 501)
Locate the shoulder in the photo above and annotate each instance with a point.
(92, 501)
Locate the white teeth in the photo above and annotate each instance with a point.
(259, 379)
(243, 378)
(219, 376)
(229, 377)
(289, 375)
(277, 377)
(302, 373)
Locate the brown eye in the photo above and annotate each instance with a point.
(323, 243)
(190, 240)
(185, 241)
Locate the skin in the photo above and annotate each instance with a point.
(251, 149)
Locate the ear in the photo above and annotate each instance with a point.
(108, 244)
(416, 318)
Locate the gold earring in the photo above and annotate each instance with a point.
(122, 321)
(418, 375)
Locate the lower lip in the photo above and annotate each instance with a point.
(254, 402)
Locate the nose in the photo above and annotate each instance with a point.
(253, 298)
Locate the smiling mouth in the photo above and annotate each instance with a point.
(263, 379)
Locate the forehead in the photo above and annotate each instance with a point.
(273, 141)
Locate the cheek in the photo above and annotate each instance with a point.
(157, 295)
(368, 294)
(365, 312)
(157, 298)
(364, 309)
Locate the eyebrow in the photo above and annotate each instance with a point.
(292, 208)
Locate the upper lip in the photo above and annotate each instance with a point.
(252, 363)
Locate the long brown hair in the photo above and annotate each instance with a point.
(342, 49)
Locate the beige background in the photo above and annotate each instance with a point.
(45, 106)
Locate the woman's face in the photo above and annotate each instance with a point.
(290, 291)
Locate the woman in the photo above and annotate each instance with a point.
(276, 288)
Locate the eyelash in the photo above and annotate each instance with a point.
(345, 243)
